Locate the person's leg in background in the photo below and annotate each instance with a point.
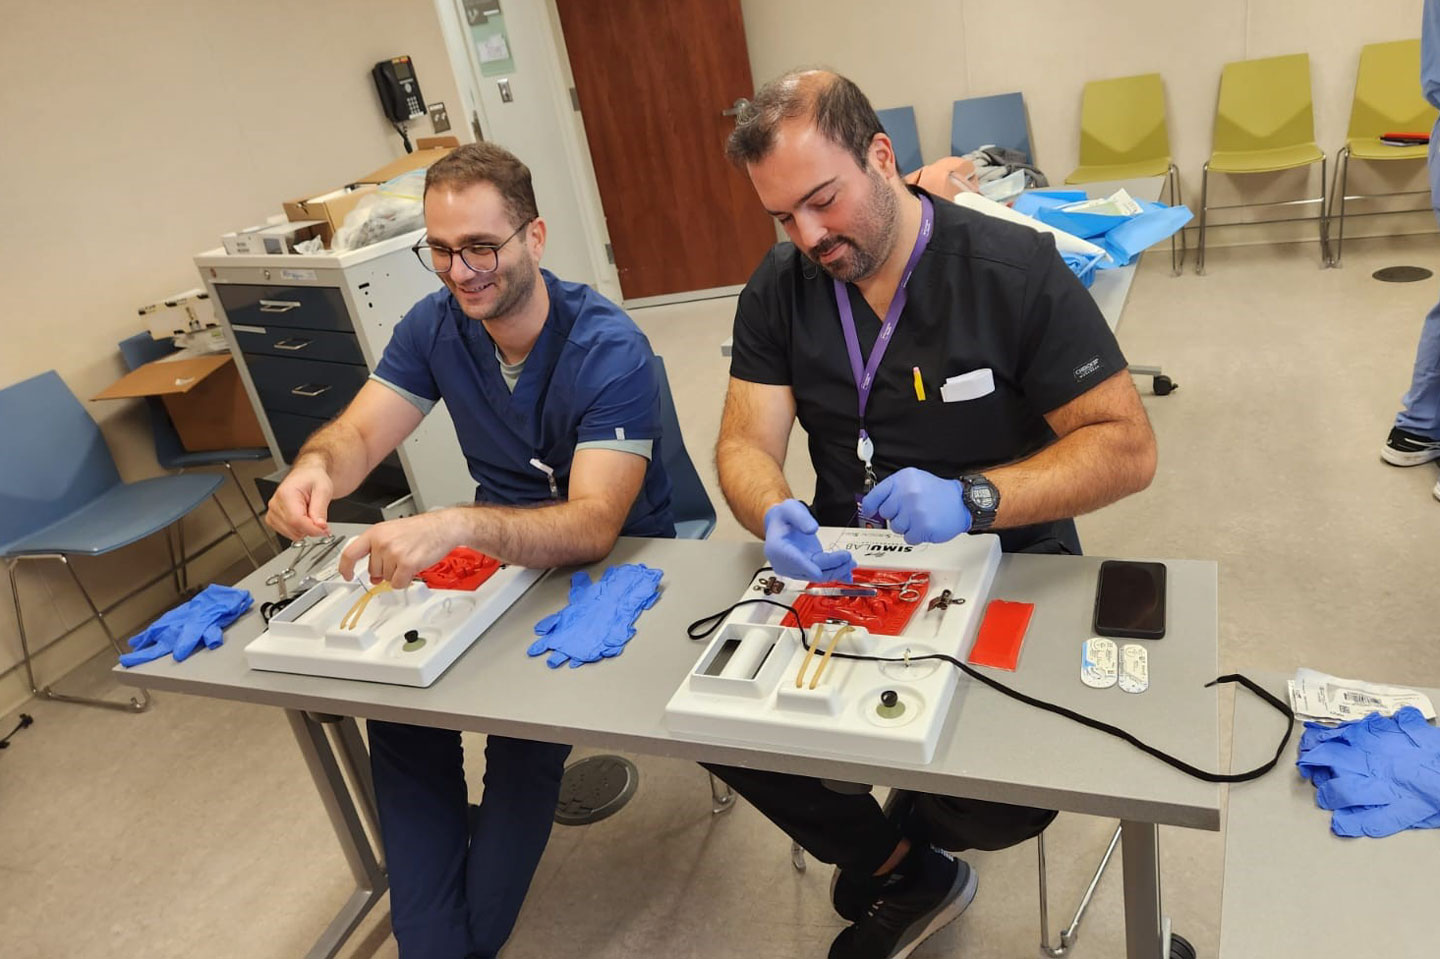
(508, 834)
(1415, 437)
(420, 795)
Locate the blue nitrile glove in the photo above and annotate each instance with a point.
(793, 550)
(188, 625)
(1378, 775)
(920, 506)
(600, 618)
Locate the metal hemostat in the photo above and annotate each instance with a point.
(944, 601)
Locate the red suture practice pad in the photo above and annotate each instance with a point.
(885, 613)
(1001, 633)
(462, 568)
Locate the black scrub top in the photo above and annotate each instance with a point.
(986, 294)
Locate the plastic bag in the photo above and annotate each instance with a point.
(394, 209)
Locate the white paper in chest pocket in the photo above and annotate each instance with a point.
(968, 386)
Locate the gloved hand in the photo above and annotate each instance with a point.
(920, 506)
(793, 549)
(600, 618)
(1378, 775)
(188, 625)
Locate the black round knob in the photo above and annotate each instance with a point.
(412, 635)
(889, 698)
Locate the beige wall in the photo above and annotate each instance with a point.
(133, 136)
(929, 53)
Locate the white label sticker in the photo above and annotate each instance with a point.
(1098, 662)
(298, 275)
(619, 432)
(1134, 669)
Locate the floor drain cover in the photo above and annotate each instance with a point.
(1401, 274)
(594, 788)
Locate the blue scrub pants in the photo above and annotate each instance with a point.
(1422, 403)
(458, 874)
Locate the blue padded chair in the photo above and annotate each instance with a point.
(60, 496)
(899, 124)
(998, 120)
(694, 513)
(140, 349)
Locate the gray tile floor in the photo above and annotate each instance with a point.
(193, 830)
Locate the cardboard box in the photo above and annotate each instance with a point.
(329, 208)
(410, 161)
(202, 394)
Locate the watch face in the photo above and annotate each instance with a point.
(982, 496)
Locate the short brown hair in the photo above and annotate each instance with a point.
(837, 107)
(491, 163)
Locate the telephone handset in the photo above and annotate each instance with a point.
(399, 91)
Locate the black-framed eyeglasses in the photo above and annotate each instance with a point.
(479, 257)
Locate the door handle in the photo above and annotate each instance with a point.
(738, 107)
(278, 306)
(310, 390)
(293, 344)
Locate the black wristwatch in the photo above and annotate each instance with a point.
(982, 499)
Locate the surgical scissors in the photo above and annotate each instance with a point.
(909, 591)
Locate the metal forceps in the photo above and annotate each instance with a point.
(909, 591)
(303, 547)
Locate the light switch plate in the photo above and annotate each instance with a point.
(439, 119)
(505, 95)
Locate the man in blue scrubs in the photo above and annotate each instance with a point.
(556, 404)
(1415, 437)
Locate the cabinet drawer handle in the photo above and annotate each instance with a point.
(293, 344)
(279, 306)
(310, 389)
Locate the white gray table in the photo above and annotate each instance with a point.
(1292, 887)
(993, 747)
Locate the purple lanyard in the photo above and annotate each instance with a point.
(865, 374)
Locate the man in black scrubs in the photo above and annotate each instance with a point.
(952, 377)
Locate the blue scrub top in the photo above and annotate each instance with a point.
(589, 378)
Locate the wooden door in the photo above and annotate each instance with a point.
(654, 78)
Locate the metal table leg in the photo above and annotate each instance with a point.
(325, 769)
(1140, 860)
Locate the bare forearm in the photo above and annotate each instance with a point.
(752, 482)
(561, 534)
(1085, 470)
(338, 448)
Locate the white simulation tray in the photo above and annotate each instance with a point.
(743, 688)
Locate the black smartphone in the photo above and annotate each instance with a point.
(1130, 600)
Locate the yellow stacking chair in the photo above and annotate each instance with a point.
(1123, 135)
(1264, 122)
(1387, 98)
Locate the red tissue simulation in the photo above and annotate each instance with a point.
(885, 613)
(462, 568)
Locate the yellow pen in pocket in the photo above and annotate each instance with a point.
(919, 384)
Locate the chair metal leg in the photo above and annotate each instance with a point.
(1325, 260)
(234, 529)
(184, 562)
(48, 692)
(1069, 934)
(797, 856)
(1340, 186)
(720, 801)
(269, 536)
(1172, 186)
(1204, 200)
(1178, 199)
(174, 564)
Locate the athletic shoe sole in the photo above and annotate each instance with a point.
(1408, 457)
(1436, 491)
(947, 912)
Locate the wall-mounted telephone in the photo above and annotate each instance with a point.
(399, 90)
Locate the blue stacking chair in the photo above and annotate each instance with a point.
(694, 513)
(61, 496)
(899, 124)
(142, 348)
(998, 120)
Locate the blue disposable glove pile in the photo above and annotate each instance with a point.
(920, 506)
(601, 616)
(185, 627)
(793, 550)
(1378, 775)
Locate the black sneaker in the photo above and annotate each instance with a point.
(1404, 448)
(851, 894)
(927, 891)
